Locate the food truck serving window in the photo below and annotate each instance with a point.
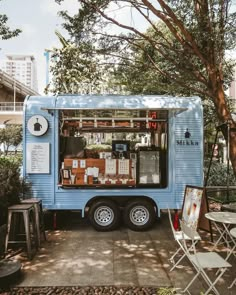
(126, 148)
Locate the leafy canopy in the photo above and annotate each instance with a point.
(187, 45)
(5, 31)
(11, 135)
(73, 68)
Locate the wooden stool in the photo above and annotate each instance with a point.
(37, 203)
(25, 210)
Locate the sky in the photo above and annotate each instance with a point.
(38, 19)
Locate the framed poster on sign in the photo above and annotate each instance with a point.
(193, 197)
(66, 173)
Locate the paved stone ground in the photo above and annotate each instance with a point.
(76, 259)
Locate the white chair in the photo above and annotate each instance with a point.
(202, 261)
(178, 236)
(233, 234)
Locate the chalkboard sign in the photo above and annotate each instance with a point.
(192, 205)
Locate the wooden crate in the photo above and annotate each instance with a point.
(99, 163)
(79, 178)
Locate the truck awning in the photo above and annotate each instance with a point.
(175, 110)
(176, 105)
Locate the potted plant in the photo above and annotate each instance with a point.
(93, 150)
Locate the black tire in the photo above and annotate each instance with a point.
(139, 215)
(104, 215)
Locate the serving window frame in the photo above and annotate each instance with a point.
(147, 123)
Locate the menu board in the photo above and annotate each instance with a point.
(123, 167)
(110, 166)
(37, 158)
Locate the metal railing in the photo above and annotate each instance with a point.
(11, 107)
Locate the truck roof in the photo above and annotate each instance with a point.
(115, 102)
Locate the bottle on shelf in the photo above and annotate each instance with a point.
(85, 177)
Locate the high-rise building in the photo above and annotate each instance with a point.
(232, 89)
(22, 68)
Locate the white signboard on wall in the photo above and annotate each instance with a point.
(38, 158)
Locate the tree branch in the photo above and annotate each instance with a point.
(191, 43)
(145, 37)
(194, 71)
(177, 79)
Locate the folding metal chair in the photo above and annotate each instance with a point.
(202, 261)
(233, 234)
(178, 236)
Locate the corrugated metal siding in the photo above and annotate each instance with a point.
(188, 151)
(42, 187)
(42, 184)
(72, 199)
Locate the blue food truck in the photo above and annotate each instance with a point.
(113, 157)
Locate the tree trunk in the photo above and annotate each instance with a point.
(233, 146)
(224, 116)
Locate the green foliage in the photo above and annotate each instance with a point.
(11, 135)
(170, 57)
(138, 75)
(10, 183)
(166, 291)
(218, 174)
(73, 68)
(5, 31)
(99, 147)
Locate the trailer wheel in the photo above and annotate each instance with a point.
(139, 215)
(104, 215)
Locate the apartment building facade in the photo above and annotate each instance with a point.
(12, 95)
(21, 68)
